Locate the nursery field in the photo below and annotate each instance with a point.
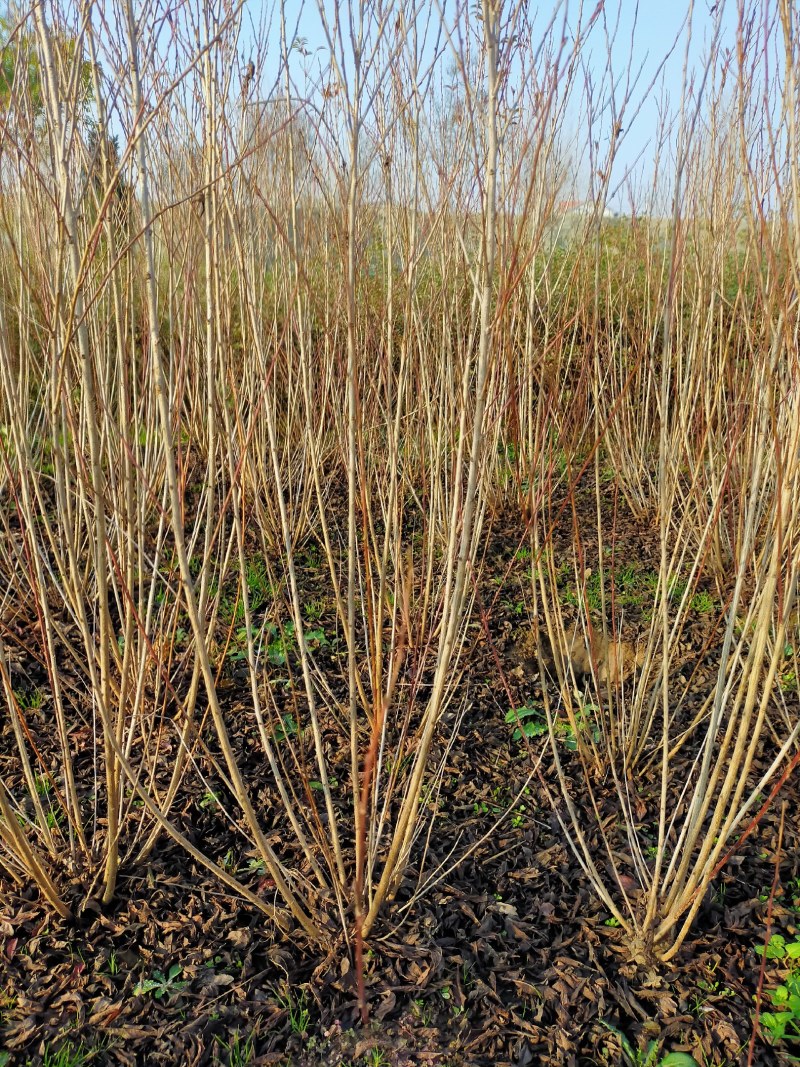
(399, 553)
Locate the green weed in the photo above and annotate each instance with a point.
(519, 818)
(316, 638)
(286, 728)
(258, 583)
(703, 603)
(584, 722)
(422, 1012)
(240, 1051)
(313, 609)
(280, 644)
(228, 862)
(784, 1022)
(297, 1009)
(43, 785)
(530, 722)
(161, 985)
(376, 1057)
(649, 1055)
(66, 1055)
(676, 587)
(29, 700)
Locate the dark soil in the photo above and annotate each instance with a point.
(509, 958)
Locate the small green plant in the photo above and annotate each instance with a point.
(66, 1055)
(777, 948)
(313, 609)
(648, 1056)
(231, 608)
(570, 597)
(239, 1051)
(584, 723)
(29, 700)
(7, 1002)
(789, 681)
(317, 786)
(676, 587)
(316, 638)
(788, 677)
(563, 573)
(228, 862)
(628, 585)
(280, 644)
(258, 584)
(703, 603)
(296, 1008)
(376, 1057)
(161, 985)
(422, 1012)
(311, 556)
(238, 648)
(514, 607)
(286, 728)
(612, 921)
(650, 581)
(43, 785)
(529, 721)
(708, 988)
(784, 1022)
(594, 599)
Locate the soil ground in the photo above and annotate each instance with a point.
(510, 958)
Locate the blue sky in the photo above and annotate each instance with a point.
(649, 47)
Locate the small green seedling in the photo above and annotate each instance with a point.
(530, 722)
(649, 1055)
(313, 609)
(286, 728)
(297, 1008)
(783, 1023)
(280, 644)
(318, 787)
(66, 1055)
(703, 603)
(240, 1050)
(519, 818)
(777, 948)
(160, 984)
(316, 638)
